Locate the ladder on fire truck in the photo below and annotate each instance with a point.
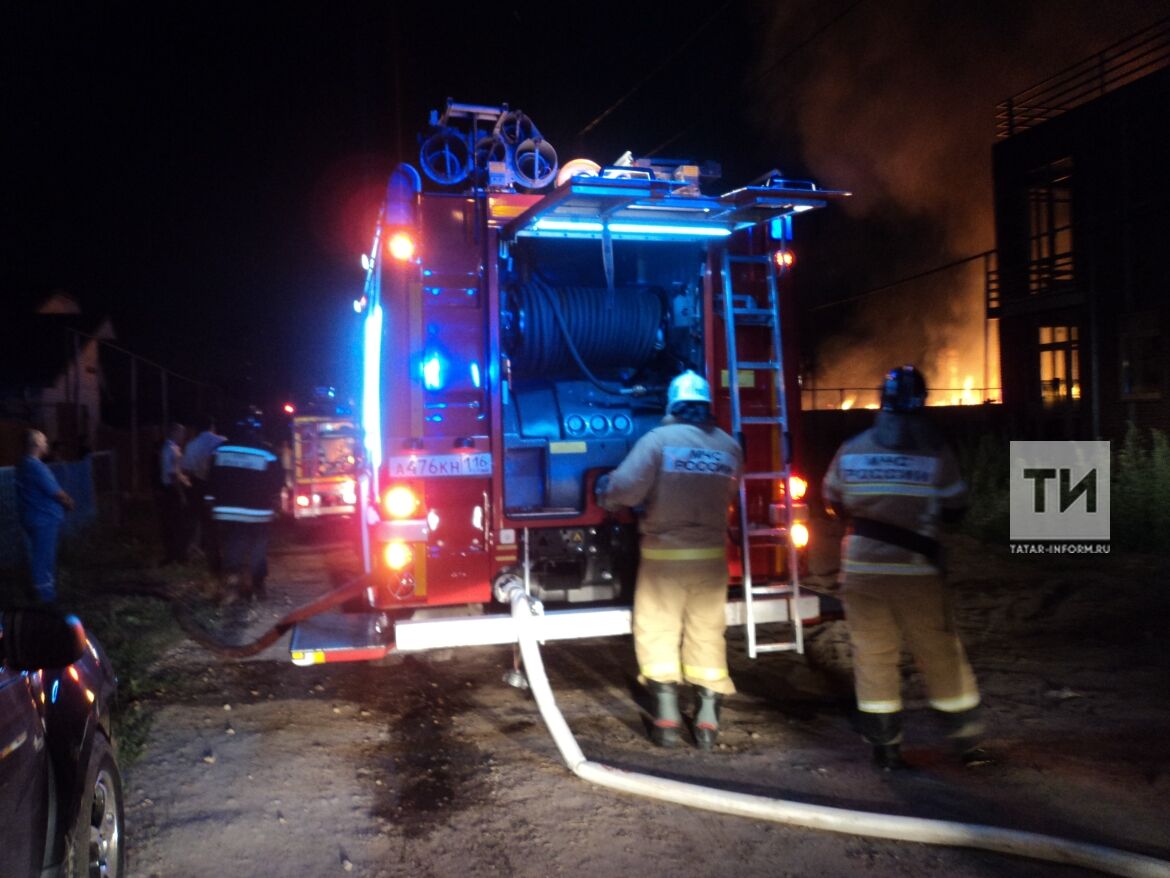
(742, 311)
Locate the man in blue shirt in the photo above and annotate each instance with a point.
(42, 505)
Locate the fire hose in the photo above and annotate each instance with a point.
(186, 618)
(876, 825)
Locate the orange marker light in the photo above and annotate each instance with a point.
(397, 555)
(400, 502)
(289, 408)
(798, 487)
(401, 246)
(799, 534)
(303, 501)
(784, 259)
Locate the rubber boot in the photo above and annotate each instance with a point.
(707, 706)
(884, 732)
(667, 719)
(965, 730)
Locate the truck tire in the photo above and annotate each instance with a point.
(95, 843)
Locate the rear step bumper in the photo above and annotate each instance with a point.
(349, 637)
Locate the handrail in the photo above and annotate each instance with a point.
(1123, 62)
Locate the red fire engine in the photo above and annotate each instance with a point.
(520, 330)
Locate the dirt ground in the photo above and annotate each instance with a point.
(430, 765)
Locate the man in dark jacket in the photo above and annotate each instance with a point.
(684, 474)
(243, 492)
(894, 484)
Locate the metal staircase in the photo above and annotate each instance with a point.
(743, 314)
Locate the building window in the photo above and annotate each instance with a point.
(1141, 363)
(1060, 368)
(1050, 238)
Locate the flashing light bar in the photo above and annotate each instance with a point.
(371, 385)
(554, 225)
(662, 229)
(688, 230)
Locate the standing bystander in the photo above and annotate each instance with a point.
(196, 464)
(173, 485)
(42, 504)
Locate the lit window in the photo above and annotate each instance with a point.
(1060, 368)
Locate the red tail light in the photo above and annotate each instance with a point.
(798, 487)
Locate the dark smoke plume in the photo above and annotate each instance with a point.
(896, 101)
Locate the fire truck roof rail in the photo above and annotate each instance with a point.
(645, 208)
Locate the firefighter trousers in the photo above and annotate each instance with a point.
(883, 612)
(679, 621)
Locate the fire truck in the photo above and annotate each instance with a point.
(323, 468)
(521, 322)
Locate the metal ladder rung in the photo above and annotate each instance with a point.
(772, 589)
(763, 314)
(767, 532)
(758, 420)
(769, 365)
(749, 260)
(771, 474)
(776, 647)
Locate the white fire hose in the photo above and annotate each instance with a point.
(925, 831)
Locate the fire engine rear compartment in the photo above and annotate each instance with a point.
(519, 362)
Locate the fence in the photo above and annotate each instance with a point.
(92, 483)
(845, 398)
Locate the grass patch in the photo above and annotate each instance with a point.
(985, 466)
(1140, 488)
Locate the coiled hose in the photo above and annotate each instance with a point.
(591, 327)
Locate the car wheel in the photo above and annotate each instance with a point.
(95, 848)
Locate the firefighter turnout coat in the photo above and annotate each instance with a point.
(683, 476)
(893, 484)
(245, 483)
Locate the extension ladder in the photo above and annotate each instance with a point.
(743, 313)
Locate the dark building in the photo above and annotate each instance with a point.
(1082, 285)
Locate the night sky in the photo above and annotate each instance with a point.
(208, 175)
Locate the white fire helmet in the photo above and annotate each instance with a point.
(687, 387)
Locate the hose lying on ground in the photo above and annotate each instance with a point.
(191, 627)
(940, 832)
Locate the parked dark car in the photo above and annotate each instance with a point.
(61, 807)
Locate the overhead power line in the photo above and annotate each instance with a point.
(597, 120)
(751, 80)
(905, 280)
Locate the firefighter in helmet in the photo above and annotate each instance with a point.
(683, 473)
(893, 485)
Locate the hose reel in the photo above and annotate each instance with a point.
(555, 331)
